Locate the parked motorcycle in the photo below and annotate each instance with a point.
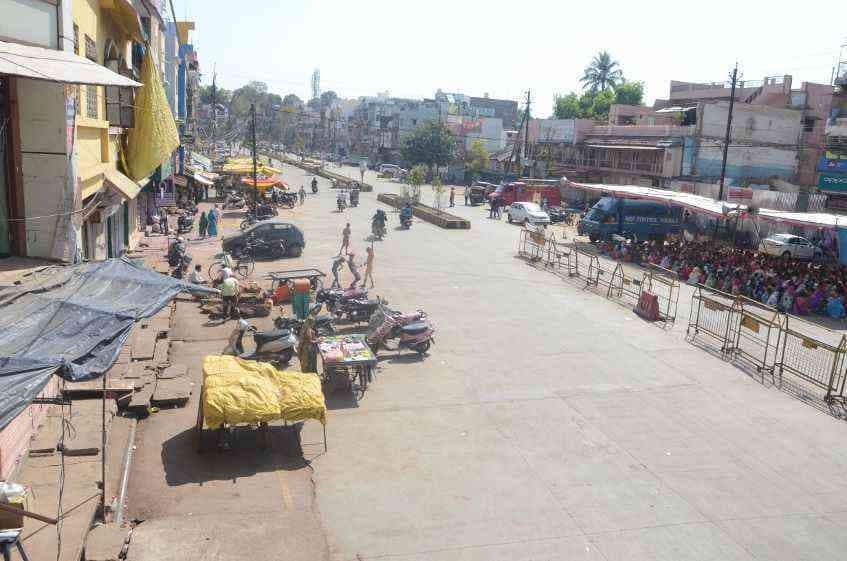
(323, 324)
(333, 298)
(264, 213)
(275, 346)
(183, 263)
(288, 200)
(234, 201)
(388, 328)
(185, 223)
(357, 309)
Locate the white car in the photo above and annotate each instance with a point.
(527, 213)
(789, 246)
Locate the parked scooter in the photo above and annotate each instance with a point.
(411, 331)
(275, 346)
(179, 258)
(234, 201)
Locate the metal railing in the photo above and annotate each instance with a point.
(817, 359)
(664, 284)
(711, 314)
(756, 335)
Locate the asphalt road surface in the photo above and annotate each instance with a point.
(546, 423)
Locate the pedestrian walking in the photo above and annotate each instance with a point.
(302, 195)
(492, 211)
(337, 263)
(214, 216)
(452, 197)
(345, 240)
(467, 195)
(204, 224)
(164, 222)
(369, 268)
(351, 264)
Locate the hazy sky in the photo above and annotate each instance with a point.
(411, 49)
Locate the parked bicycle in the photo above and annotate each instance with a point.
(241, 266)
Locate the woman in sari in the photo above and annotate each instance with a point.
(204, 223)
(213, 222)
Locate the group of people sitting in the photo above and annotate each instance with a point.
(790, 285)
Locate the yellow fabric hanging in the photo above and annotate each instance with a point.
(154, 137)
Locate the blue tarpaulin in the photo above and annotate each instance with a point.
(73, 321)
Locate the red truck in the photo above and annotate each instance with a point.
(529, 190)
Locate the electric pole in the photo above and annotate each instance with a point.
(214, 116)
(255, 180)
(526, 134)
(728, 137)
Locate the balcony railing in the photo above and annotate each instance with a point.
(651, 131)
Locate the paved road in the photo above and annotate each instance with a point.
(547, 423)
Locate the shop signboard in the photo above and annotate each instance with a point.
(833, 162)
(836, 182)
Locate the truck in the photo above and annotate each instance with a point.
(636, 219)
(529, 190)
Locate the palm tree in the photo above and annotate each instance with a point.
(602, 74)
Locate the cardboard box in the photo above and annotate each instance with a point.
(10, 521)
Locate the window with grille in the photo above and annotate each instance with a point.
(91, 102)
(76, 39)
(90, 49)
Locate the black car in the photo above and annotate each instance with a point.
(268, 231)
(557, 214)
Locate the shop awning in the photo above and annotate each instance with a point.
(39, 63)
(203, 180)
(126, 186)
(126, 17)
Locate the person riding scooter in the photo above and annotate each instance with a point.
(341, 201)
(406, 216)
(378, 223)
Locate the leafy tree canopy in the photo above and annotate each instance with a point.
(430, 144)
(603, 73)
(629, 93)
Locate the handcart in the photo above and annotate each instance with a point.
(237, 392)
(314, 276)
(346, 360)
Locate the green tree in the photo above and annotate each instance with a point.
(567, 106)
(417, 175)
(600, 104)
(431, 144)
(629, 93)
(476, 160)
(291, 100)
(602, 73)
(328, 97)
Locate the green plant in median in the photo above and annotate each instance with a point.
(417, 176)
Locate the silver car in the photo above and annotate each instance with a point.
(789, 246)
(523, 212)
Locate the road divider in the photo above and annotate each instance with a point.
(428, 213)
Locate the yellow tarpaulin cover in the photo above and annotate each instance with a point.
(246, 391)
(154, 137)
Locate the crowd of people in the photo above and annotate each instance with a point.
(790, 285)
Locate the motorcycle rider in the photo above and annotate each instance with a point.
(378, 222)
(341, 200)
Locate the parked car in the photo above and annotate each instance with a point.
(558, 214)
(478, 192)
(268, 231)
(527, 213)
(789, 246)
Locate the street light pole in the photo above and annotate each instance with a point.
(255, 180)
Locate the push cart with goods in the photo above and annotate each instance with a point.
(346, 361)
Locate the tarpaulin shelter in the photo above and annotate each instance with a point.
(73, 321)
(154, 137)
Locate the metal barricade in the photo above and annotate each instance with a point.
(815, 355)
(572, 259)
(592, 278)
(664, 284)
(621, 285)
(712, 313)
(531, 244)
(756, 334)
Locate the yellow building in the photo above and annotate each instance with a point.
(111, 33)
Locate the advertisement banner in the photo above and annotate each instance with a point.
(739, 194)
(833, 182)
(556, 131)
(833, 162)
(472, 126)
